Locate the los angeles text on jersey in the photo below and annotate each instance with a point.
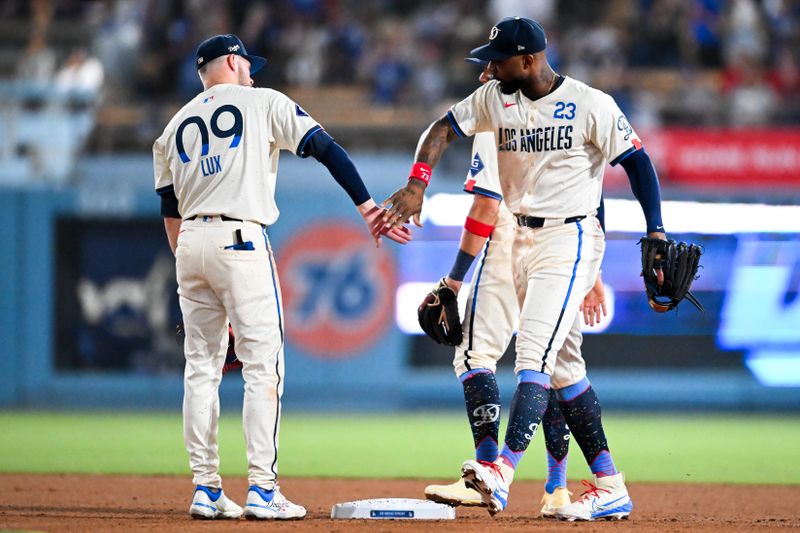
(543, 139)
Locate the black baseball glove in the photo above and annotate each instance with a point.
(668, 269)
(438, 315)
(231, 361)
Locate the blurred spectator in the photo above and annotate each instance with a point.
(745, 35)
(345, 49)
(429, 78)
(38, 62)
(705, 24)
(665, 61)
(751, 100)
(389, 78)
(661, 35)
(305, 44)
(80, 73)
(543, 11)
(785, 80)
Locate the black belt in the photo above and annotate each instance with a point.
(538, 222)
(223, 217)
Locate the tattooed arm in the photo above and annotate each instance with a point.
(407, 201)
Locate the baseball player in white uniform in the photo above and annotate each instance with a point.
(215, 169)
(492, 316)
(554, 136)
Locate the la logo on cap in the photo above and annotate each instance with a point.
(493, 33)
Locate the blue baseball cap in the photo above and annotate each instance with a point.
(512, 36)
(222, 45)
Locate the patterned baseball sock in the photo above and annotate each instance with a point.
(482, 398)
(556, 440)
(581, 409)
(527, 408)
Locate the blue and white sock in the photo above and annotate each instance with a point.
(482, 399)
(556, 440)
(527, 407)
(581, 409)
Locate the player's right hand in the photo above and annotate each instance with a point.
(594, 303)
(374, 218)
(405, 203)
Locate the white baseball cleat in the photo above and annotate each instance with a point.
(487, 479)
(551, 502)
(606, 498)
(454, 494)
(265, 504)
(209, 503)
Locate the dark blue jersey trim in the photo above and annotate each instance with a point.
(617, 160)
(302, 145)
(165, 189)
(484, 192)
(454, 124)
(169, 205)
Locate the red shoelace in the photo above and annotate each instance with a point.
(592, 490)
(494, 467)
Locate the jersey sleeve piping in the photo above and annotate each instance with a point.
(617, 160)
(302, 145)
(165, 190)
(484, 192)
(454, 124)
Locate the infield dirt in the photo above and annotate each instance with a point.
(122, 503)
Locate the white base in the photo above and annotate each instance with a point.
(393, 509)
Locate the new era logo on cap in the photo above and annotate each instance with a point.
(510, 37)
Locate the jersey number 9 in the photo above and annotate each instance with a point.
(234, 131)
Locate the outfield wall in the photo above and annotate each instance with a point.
(89, 306)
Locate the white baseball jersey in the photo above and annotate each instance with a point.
(493, 304)
(551, 151)
(200, 153)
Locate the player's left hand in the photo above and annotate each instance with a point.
(438, 314)
(659, 272)
(374, 218)
(404, 203)
(593, 306)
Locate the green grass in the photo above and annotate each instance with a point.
(648, 447)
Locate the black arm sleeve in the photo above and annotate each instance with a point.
(644, 184)
(169, 203)
(325, 150)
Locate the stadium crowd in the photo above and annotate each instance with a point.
(667, 62)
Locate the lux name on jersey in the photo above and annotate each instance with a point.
(535, 139)
(211, 165)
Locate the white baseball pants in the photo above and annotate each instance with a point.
(217, 285)
(492, 313)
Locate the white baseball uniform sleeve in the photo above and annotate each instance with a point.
(482, 177)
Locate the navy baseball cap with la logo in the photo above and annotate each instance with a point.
(222, 45)
(512, 36)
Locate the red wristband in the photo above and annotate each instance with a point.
(422, 172)
(478, 228)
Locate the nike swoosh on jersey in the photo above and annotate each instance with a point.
(507, 105)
